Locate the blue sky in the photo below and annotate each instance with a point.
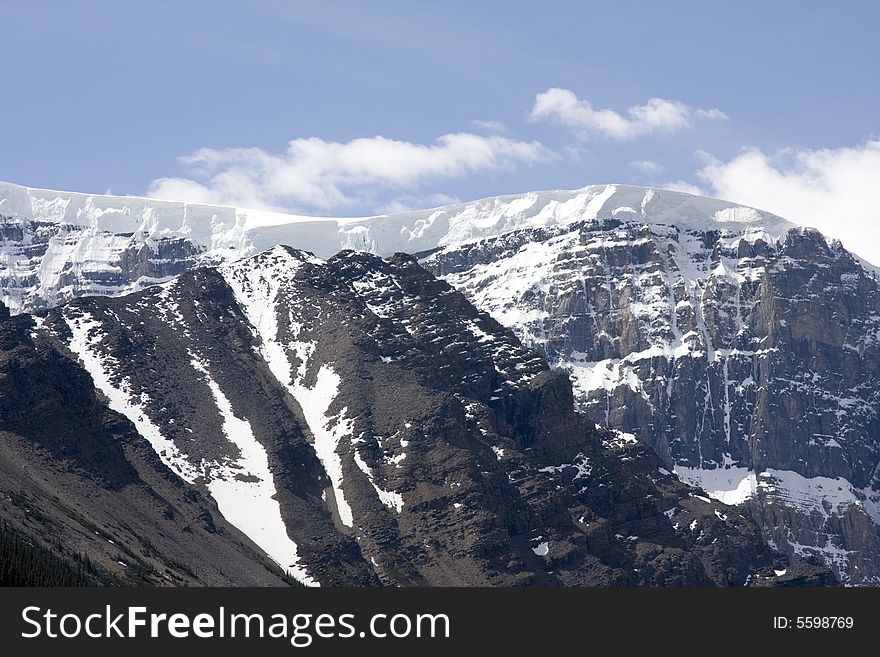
(108, 95)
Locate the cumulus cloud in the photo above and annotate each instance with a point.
(317, 175)
(646, 166)
(833, 190)
(658, 115)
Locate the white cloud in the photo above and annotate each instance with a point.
(646, 166)
(577, 152)
(712, 114)
(313, 174)
(490, 126)
(833, 190)
(562, 106)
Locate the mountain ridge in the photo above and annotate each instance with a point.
(61, 245)
(408, 437)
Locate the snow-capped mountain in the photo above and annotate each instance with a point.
(361, 422)
(55, 246)
(740, 347)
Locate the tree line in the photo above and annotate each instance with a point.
(23, 563)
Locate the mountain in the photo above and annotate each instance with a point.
(743, 350)
(738, 347)
(360, 422)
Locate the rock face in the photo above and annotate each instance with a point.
(43, 264)
(748, 361)
(362, 423)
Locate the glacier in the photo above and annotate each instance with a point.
(55, 246)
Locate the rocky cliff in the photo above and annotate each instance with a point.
(748, 360)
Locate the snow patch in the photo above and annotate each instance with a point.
(328, 430)
(581, 464)
(244, 489)
(824, 495)
(86, 335)
(390, 499)
(727, 485)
